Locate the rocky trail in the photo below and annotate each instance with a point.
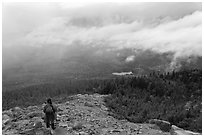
(80, 115)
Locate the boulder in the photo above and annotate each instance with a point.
(88, 104)
(34, 114)
(17, 109)
(35, 119)
(60, 131)
(179, 131)
(36, 131)
(43, 105)
(8, 112)
(83, 133)
(17, 112)
(77, 126)
(6, 119)
(32, 108)
(28, 132)
(59, 109)
(38, 124)
(104, 108)
(61, 124)
(10, 132)
(79, 95)
(88, 126)
(116, 130)
(163, 125)
(6, 127)
(23, 124)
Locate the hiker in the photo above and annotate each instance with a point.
(50, 113)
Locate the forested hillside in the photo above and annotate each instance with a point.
(37, 94)
(173, 96)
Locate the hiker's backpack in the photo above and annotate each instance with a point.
(49, 109)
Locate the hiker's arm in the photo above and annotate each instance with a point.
(44, 108)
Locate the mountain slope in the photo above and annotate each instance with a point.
(80, 115)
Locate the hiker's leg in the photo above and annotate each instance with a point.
(52, 121)
(48, 121)
(53, 125)
(47, 124)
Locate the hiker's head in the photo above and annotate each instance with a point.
(49, 101)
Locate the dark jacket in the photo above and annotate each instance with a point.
(54, 108)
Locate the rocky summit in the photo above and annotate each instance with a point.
(80, 115)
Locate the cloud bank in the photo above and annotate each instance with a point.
(160, 27)
(182, 36)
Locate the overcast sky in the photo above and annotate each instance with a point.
(161, 27)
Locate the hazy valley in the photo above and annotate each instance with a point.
(138, 64)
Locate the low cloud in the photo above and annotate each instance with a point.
(160, 27)
(130, 58)
(182, 36)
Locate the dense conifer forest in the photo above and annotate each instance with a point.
(173, 96)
